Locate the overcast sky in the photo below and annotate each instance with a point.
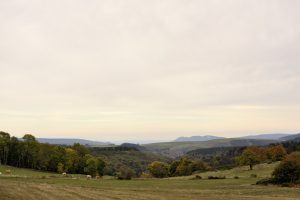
(159, 69)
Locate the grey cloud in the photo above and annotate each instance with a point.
(150, 59)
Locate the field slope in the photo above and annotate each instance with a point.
(39, 185)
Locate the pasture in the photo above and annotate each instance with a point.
(28, 184)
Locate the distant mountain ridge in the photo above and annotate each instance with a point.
(272, 136)
(291, 137)
(71, 141)
(197, 138)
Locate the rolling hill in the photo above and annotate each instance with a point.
(197, 138)
(291, 137)
(71, 141)
(273, 136)
(176, 149)
(126, 156)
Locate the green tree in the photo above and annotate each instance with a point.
(94, 166)
(44, 156)
(15, 152)
(100, 166)
(71, 158)
(4, 147)
(91, 166)
(80, 162)
(184, 168)
(57, 155)
(173, 167)
(31, 149)
(60, 168)
(159, 169)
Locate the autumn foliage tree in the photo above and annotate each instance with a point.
(250, 156)
(254, 155)
(276, 152)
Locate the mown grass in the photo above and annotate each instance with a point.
(35, 187)
(21, 172)
(29, 173)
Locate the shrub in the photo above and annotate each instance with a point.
(216, 177)
(288, 171)
(125, 174)
(60, 168)
(159, 169)
(287, 184)
(198, 177)
(184, 168)
(173, 168)
(145, 175)
(236, 177)
(265, 181)
(253, 175)
(199, 166)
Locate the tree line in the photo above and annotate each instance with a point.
(126, 162)
(182, 167)
(27, 152)
(123, 162)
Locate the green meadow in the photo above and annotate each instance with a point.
(30, 184)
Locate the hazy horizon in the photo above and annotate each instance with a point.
(140, 70)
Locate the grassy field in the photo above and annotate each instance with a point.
(28, 184)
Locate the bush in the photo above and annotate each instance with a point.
(253, 175)
(125, 174)
(159, 169)
(198, 177)
(236, 177)
(265, 181)
(288, 171)
(146, 175)
(186, 166)
(216, 177)
(287, 185)
(60, 168)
